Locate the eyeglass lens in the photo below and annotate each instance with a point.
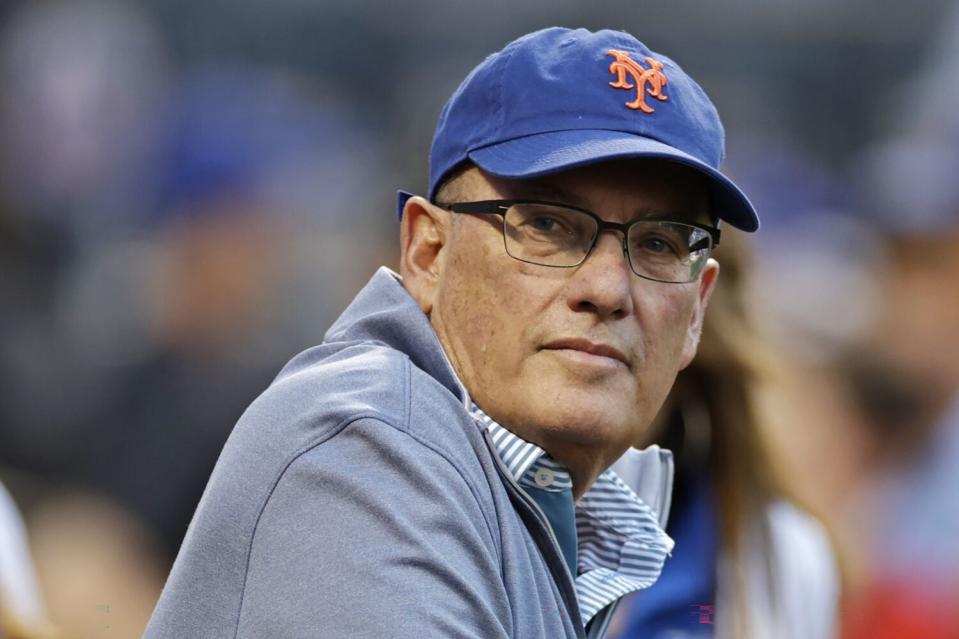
(553, 235)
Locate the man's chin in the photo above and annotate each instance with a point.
(595, 423)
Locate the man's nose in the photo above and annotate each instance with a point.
(602, 284)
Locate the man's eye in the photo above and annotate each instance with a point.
(545, 223)
(655, 245)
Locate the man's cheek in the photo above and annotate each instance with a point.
(668, 326)
(677, 306)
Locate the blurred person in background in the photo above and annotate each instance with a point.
(906, 377)
(906, 371)
(748, 562)
(22, 614)
(161, 251)
(188, 317)
(80, 80)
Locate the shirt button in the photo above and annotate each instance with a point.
(544, 477)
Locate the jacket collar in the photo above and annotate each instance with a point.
(385, 312)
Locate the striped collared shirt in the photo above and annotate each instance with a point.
(621, 546)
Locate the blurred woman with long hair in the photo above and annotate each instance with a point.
(748, 562)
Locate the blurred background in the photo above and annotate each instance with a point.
(190, 193)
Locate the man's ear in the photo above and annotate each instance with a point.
(707, 283)
(424, 232)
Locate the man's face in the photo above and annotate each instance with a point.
(519, 334)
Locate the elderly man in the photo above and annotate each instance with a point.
(437, 466)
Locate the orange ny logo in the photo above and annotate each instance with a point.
(646, 81)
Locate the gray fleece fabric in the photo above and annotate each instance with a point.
(356, 497)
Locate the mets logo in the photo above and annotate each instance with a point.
(649, 81)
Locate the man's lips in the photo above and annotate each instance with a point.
(586, 346)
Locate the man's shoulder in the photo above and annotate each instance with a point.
(346, 463)
(343, 380)
(337, 402)
(325, 388)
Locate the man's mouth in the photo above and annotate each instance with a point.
(586, 350)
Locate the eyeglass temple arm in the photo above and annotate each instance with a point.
(474, 207)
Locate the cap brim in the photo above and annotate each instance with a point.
(560, 150)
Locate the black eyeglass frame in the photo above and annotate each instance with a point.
(500, 207)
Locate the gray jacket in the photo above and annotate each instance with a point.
(356, 497)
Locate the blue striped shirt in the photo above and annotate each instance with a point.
(621, 546)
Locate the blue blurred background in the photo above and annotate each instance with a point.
(190, 192)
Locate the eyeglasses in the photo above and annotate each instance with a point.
(563, 236)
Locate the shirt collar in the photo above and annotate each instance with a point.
(515, 452)
(621, 545)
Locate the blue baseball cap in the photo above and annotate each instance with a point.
(560, 98)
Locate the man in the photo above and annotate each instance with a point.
(436, 467)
